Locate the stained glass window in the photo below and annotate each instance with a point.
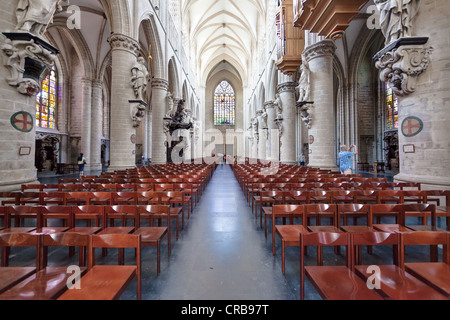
(46, 102)
(392, 109)
(224, 105)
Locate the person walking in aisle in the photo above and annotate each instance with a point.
(81, 163)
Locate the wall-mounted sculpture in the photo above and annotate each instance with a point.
(139, 83)
(25, 53)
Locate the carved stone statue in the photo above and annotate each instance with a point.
(170, 105)
(396, 17)
(278, 106)
(34, 15)
(306, 117)
(304, 85)
(139, 79)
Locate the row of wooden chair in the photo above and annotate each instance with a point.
(95, 282)
(104, 218)
(340, 216)
(397, 281)
(266, 199)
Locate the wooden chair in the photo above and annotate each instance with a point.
(389, 210)
(366, 196)
(100, 198)
(423, 212)
(127, 187)
(390, 196)
(52, 198)
(434, 274)
(152, 236)
(88, 214)
(396, 283)
(320, 211)
(332, 282)
(343, 196)
(104, 282)
(178, 198)
(354, 211)
(12, 276)
(124, 198)
(288, 234)
(106, 187)
(414, 196)
(322, 196)
(77, 198)
(21, 215)
(18, 240)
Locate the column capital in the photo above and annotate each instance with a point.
(160, 84)
(269, 105)
(97, 84)
(323, 48)
(86, 82)
(287, 87)
(122, 42)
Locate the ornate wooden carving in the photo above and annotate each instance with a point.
(329, 18)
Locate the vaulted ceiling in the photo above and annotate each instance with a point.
(223, 30)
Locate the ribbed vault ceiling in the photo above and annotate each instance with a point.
(222, 30)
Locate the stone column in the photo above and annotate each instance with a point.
(86, 120)
(320, 58)
(256, 137)
(159, 138)
(424, 121)
(124, 53)
(96, 126)
(289, 114)
(262, 133)
(271, 115)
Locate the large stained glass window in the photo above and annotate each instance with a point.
(224, 105)
(392, 109)
(46, 102)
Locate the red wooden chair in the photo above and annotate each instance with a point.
(423, 212)
(124, 198)
(396, 283)
(322, 196)
(366, 196)
(106, 282)
(332, 282)
(18, 240)
(152, 236)
(389, 210)
(355, 211)
(21, 215)
(77, 198)
(434, 274)
(88, 214)
(344, 196)
(52, 198)
(288, 234)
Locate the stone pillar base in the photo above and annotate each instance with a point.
(16, 185)
(427, 182)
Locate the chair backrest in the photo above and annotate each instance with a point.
(321, 208)
(122, 212)
(89, 212)
(352, 210)
(424, 209)
(130, 197)
(374, 239)
(120, 241)
(391, 210)
(425, 238)
(20, 240)
(322, 239)
(22, 212)
(63, 239)
(394, 195)
(31, 187)
(106, 188)
(290, 210)
(84, 196)
(57, 212)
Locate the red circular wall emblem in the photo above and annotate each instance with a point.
(412, 126)
(311, 139)
(22, 121)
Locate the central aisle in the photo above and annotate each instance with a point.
(221, 255)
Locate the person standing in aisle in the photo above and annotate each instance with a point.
(346, 159)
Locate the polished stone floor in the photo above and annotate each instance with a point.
(222, 254)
